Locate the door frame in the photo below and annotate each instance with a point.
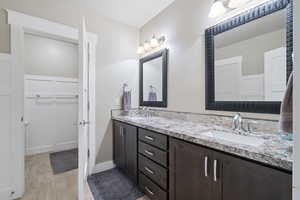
(233, 60)
(20, 24)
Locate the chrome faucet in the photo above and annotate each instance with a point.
(147, 112)
(238, 122)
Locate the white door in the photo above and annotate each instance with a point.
(11, 165)
(275, 74)
(83, 113)
(227, 79)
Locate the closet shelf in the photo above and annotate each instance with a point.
(57, 96)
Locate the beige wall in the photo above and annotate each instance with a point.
(183, 23)
(49, 57)
(116, 55)
(252, 51)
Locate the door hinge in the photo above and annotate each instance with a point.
(88, 153)
(88, 106)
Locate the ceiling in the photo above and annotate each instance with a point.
(132, 12)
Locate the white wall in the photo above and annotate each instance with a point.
(116, 55)
(183, 23)
(296, 172)
(49, 57)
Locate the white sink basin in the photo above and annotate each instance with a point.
(234, 138)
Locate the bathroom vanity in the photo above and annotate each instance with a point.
(177, 158)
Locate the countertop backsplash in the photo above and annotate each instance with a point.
(258, 125)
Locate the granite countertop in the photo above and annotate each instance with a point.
(274, 151)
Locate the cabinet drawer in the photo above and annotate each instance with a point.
(151, 189)
(153, 138)
(155, 172)
(153, 153)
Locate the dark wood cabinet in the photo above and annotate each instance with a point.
(173, 169)
(190, 172)
(200, 173)
(242, 179)
(125, 149)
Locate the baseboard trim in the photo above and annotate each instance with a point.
(52, 148)
(100, 167)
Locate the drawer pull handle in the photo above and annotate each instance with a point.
(149, 153)
(215, 170)
(205, 167)
(149, 191)
(149, 170)
(149, 138)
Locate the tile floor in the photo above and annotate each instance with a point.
(41, 184)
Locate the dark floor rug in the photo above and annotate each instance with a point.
(113, 185)
(64, 161)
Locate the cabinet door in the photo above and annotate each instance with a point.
(130, 135)
(189, 178)
(239, 179)
(119, 145)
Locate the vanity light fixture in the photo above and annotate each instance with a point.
(147, 46)
(154, 43)
(140, 49)
(220, 7)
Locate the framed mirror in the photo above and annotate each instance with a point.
(153, 79)
(249, 59)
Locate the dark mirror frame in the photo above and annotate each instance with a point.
(246, 17)
(164, 54)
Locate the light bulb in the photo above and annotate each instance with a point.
(236, 3)
(140, 50)
(147, 46)
(154, 42)
(217, 9)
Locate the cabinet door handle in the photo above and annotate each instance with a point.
(149, 153)
(215, 170)
(149, 138)
(149, 170)
(205, 166)
(121, 131)
(149, 191)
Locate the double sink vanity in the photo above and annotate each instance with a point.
(173, 155)
(185, 156)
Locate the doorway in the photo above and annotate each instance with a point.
(58, 91)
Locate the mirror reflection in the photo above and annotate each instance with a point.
(152, 80)
(250, 60)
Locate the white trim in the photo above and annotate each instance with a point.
(104, 166)
(52, 148)
(38, 25)
(50, 78)
(92, 110)
(21, 24)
